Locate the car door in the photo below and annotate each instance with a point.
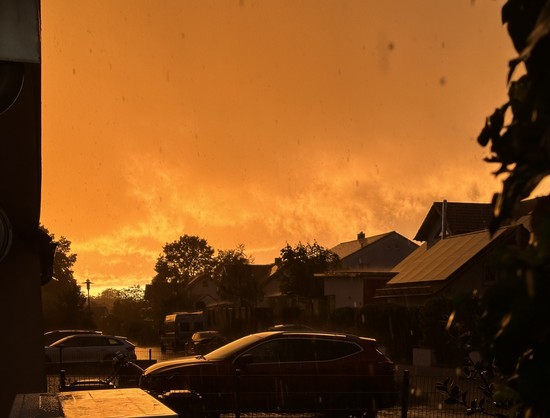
(94, 348)
(335, 369)
(73, 349)
(258, 374)
(277, 375)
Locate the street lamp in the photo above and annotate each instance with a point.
(88, 283)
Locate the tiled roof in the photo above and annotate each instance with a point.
(345, 249)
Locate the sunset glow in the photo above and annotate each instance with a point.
(259, 122)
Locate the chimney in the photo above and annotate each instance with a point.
(443, 219)
(360, 236)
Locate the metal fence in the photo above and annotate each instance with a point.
(418, 398)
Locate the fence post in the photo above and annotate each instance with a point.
(62, 381)
(150, 354)
(238, 393)
(405, 394)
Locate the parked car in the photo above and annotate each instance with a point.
(89, 348)
(278, 371)
(290, 327)
(203, 342)
(52, 336)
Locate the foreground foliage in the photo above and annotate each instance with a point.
(516, 321)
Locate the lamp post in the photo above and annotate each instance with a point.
(88, 283)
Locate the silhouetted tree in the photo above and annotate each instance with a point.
(179, 263)
(106, 298)
(298, 266)
(184, 259)
(63, 304)
(127, 314)
(236, 282)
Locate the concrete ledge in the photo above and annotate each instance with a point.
(122, 403)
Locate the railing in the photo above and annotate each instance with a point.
(418, 396)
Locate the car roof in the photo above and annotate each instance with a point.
(333, 334)
(72, 331)
(92, 335)
(51, 337)
(290, 327)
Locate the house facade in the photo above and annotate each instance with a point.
(203, 290)
(352, 289)
(458, 254)
(375, 253)
(366, 265)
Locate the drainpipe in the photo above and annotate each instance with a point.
(443, 219)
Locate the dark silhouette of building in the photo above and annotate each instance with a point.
(25, 252)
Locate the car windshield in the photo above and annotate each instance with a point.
(204, 334)
(61, 341)
(236, 346)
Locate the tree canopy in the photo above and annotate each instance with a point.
(62, 300)
(125, 312)
(300, 263)
(184, 259)
(236, 283)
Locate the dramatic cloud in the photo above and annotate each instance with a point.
(259, 123)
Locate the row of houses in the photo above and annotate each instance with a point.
(455, 256)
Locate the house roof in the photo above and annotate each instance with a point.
(345, 249)
(258, 272)
(444, 258)
(199, 278)
(464, 217)
(461, 218)
(368, 275)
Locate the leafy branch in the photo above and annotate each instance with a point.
(493, 395)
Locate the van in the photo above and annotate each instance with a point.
(178, 328)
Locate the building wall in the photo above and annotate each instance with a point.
(381, 255)
(475, 277)
(270, 289)
(20, 300)
(206, 291)
(347, 291)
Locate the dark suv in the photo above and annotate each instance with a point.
(278, 371)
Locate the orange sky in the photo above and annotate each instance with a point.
(259, 122)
